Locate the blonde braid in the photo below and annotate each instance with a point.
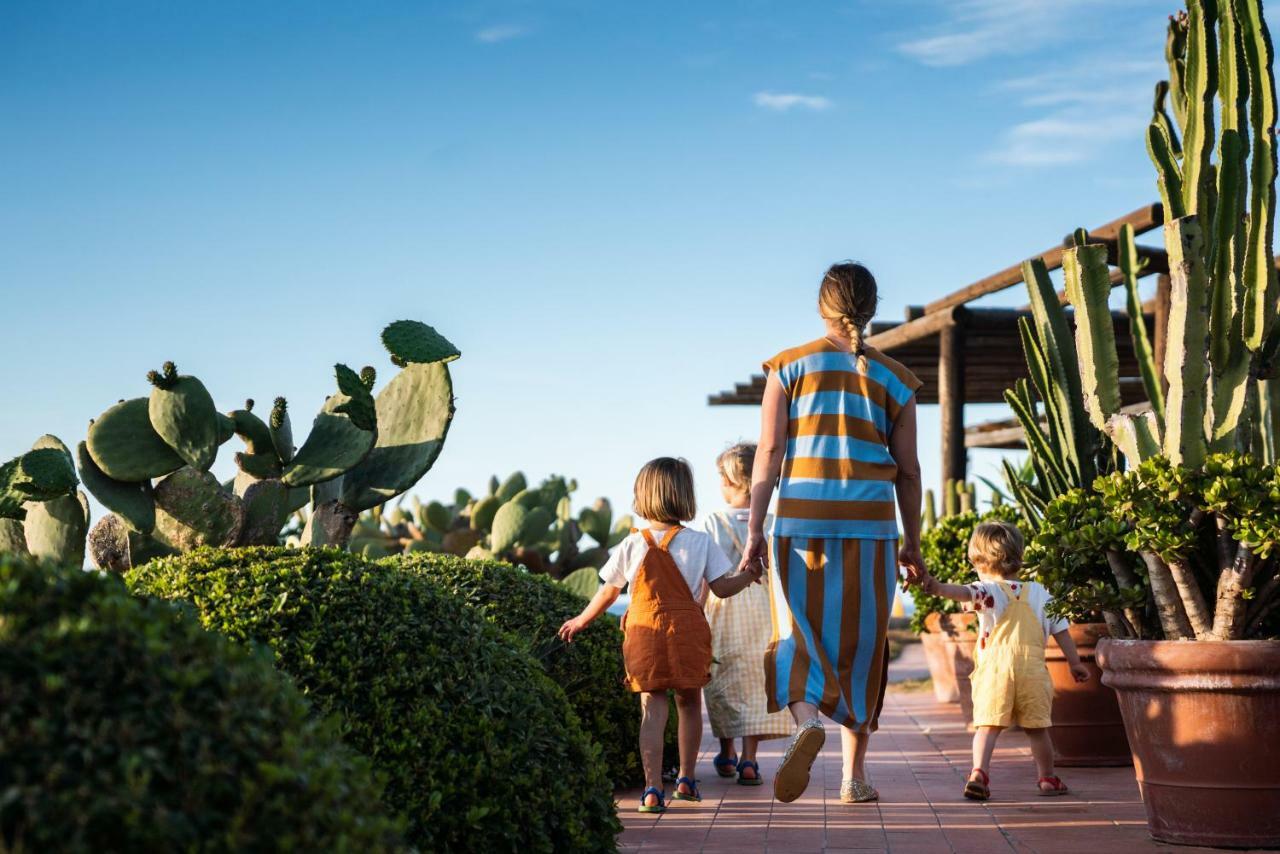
(848, 295)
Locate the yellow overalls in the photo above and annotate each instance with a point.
(1011, 683)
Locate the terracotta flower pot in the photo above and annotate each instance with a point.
(942, 673)
(954, 639)
(1200, 716)
(1087, 727)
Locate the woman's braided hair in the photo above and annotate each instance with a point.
(848, 295)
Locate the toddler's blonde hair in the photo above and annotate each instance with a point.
(996, 547)
(735, 463)
(664, 491)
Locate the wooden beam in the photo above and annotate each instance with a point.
(1143, 219)
(951, 352)
(913, 330)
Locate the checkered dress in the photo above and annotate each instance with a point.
(737, 703)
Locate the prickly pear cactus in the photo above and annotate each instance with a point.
(410, 341)
(193, 510)
(182, 413)
(126, 447)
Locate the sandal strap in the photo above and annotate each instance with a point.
(721, 759)
(692, 784)
(1052, 781)
(986, 781)
(644, 796)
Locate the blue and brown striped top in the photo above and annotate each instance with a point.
(838, 475)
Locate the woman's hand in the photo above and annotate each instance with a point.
(910, 559)
(754, 557)
(571, 628)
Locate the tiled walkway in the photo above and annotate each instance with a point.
(918, 761)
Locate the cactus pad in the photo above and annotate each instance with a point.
(414, 412)
(358, 406)
(182, 412)
(265, 505)
(126, 447)
(253, 431)
(41, 474)
(482, 513)
(281, 430)
(512, 486)
(536, 525)
(259, 466)
(508, 525)
(109, 544)
(410, 341)
(334, 446)
(55, 530)
(132, 502)
(193, 510)
(584, 582)
(12, 538)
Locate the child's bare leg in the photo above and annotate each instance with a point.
(653, 723)
(853, 752)
(984, 744)
(749, 745)
(689, 708)
(726, 748)
(1041, 751)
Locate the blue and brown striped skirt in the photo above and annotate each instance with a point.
(831, 601)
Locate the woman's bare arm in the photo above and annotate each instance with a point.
(768, 465)
(902, 447)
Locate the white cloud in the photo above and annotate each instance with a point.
(785, 101)
(500, 33)
(975, 29)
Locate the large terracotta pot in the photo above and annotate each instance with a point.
(1087, 727)
(942, 673)
(955, 637)
(1201, 719)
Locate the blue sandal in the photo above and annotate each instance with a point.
(749, 781)
(661, 806)
(725, 766)
(694, 794)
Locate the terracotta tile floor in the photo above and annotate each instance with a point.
(918, 761)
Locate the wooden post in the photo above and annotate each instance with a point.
(1162, 328)
(951, 397)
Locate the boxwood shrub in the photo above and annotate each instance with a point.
(532, 608)
(125, 726)
(481, 750)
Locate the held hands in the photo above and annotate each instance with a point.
(571, 628)
(1079, 672)
(753, 557)
(910, 559)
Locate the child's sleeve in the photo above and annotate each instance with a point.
(718, 563)
(614, 571)
(984, 596)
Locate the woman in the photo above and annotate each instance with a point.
(838, 438)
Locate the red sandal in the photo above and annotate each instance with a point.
(978, 790)
(1057, 787)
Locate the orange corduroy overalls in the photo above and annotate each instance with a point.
(667, 644)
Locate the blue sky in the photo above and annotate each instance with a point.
(613, 209)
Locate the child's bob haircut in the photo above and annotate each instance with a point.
(664, 491)
(735, 464)
(996, 547)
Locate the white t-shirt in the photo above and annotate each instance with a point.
(990, 601)
(698, 558)
(728, 528)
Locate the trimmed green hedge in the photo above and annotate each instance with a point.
(481, 750)
(124, 726)
(532, 608)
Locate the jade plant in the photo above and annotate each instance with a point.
(530, 526)
(147, 460)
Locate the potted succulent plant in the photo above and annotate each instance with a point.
(1192, 591)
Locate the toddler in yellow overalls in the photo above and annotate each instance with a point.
(1011, 684)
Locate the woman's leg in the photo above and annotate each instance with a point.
(803, 711)
(653, 722)
(853, 749)
(749, 745)
(984, 744)
(689, 708)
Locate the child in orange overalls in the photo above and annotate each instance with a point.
(1011, 683)
(667, 643)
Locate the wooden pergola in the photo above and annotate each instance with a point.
(970, 354)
